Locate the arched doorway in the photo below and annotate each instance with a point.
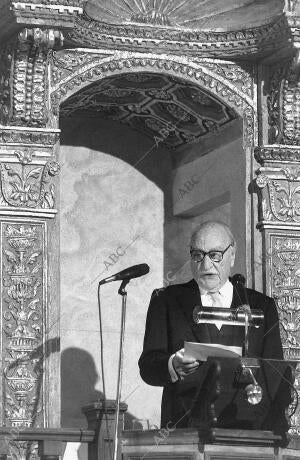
(148, 157)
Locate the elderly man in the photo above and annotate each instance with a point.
(170, 320)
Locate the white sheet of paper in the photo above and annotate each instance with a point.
(201, 351)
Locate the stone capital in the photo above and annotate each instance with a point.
(58, 14)
(27, 170)
(279, 195)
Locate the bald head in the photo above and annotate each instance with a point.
(209, 238)
(214, 226)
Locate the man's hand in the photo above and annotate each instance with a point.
(184, 366)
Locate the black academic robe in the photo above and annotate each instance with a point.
(169, 323)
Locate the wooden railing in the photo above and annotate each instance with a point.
(172, 443)
(51, 441)
(99, 434)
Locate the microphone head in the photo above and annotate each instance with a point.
(143, 269)
(132, 272)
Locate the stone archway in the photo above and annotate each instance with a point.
(71, 102)
(75, 70)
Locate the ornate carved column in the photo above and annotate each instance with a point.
(30, 382)
(278, 181)
(29, 304)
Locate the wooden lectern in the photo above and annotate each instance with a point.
(236, 407)
(226, 396)
(223, 423)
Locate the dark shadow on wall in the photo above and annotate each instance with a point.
(78, 380)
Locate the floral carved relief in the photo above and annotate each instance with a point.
(279, 194)
(284, 104)
(24, 184)
(64, 62)
(283, 270)
(23, 318)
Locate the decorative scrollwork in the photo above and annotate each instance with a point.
(241, 77)
(23, 77)
(6, 54)
(27, 185)
(94, 34)
(74, 93)
(270, 155)
(283, 271)
(283, 105)
(10, 136)
(197, 71)
(22, 265)
(280, 194)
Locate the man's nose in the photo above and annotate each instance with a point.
(207, 262)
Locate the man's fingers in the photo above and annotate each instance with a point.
(185, 373)
(187, 368)
(183, 364)
(190, 371)
(187, 360)
(191, 366)
(184, 359)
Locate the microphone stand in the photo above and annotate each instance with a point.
(123, 293)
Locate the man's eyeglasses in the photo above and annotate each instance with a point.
(216, 256)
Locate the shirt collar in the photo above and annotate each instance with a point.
(227, 289)
(226, 293)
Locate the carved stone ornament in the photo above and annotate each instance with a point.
(142, 35)
(184, 14)
(6, 59)
(28, 185)
(20, 137)
(291, 5)
(274, 154)
(23, 294)
(240, 76)
(25, 90)
(279, 194)
(284, 104)
(67, 62)
(204, 72)
(47, 14)
(283, 271)
(231, 86)
(176, 110)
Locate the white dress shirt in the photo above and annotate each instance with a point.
(225, 299)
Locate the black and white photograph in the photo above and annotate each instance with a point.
(149, 229)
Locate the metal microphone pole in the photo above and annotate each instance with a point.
(123, 293)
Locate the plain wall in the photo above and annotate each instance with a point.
(206, 184)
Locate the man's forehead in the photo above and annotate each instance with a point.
(214, 236)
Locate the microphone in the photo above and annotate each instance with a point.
(132, 272)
